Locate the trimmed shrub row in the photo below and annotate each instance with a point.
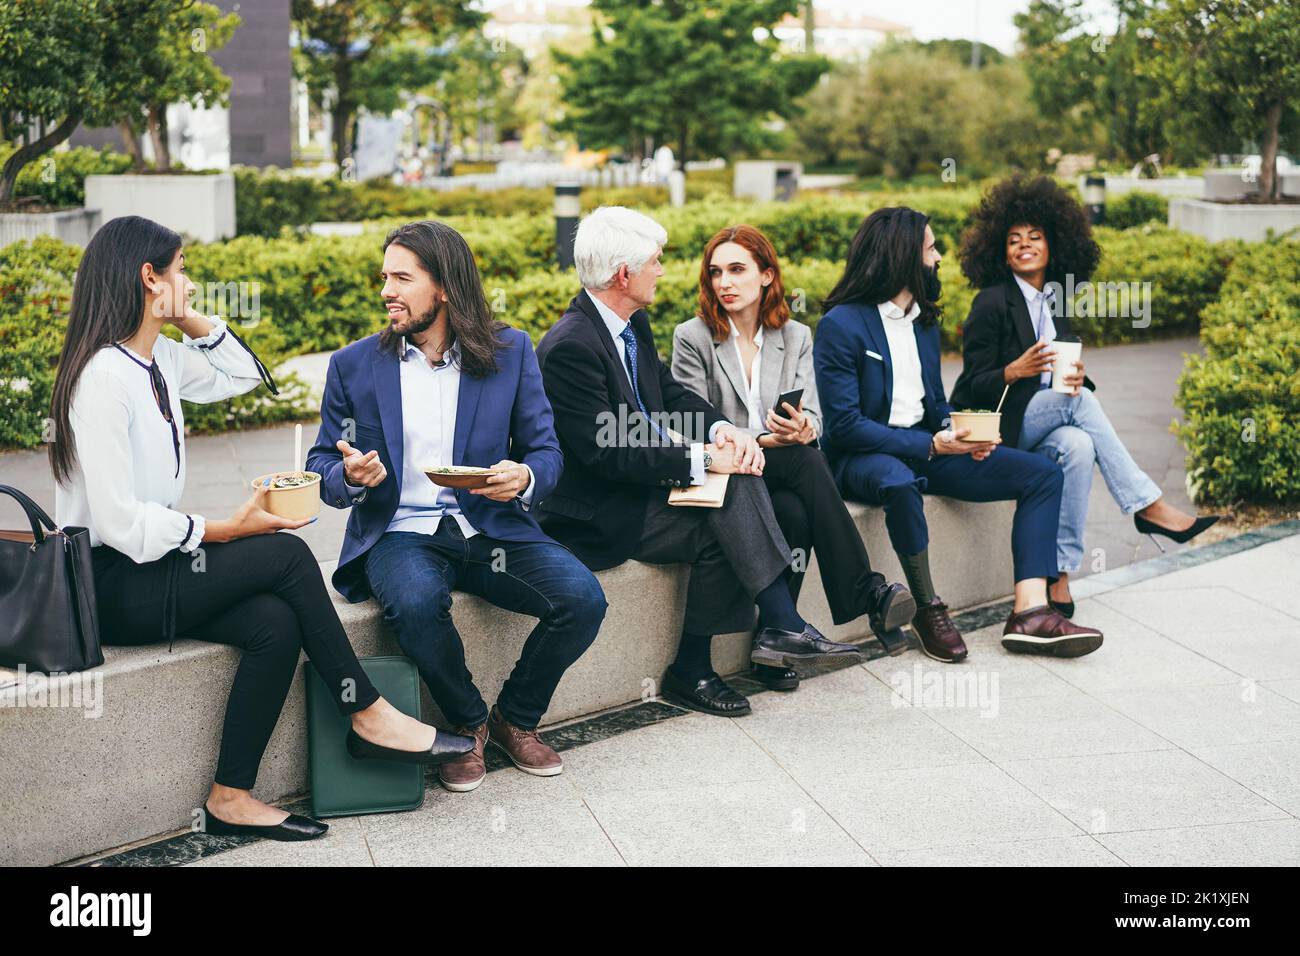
(1241, 399)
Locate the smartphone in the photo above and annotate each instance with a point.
(793, 397)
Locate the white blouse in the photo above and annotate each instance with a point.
(126, 446)
(753, 395)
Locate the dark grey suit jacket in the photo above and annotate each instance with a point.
(712, 370)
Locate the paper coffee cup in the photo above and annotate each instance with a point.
(1067, 353)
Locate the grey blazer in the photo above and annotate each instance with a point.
(712, 370)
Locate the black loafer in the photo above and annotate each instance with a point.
(775, 678)
(709, 695)
(446, 746)
(292, 829)
(777, 648)
(1063, 608)
(893, 608)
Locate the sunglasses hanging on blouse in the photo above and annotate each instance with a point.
(163, 398)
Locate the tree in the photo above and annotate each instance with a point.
(702, 75)
(365, 52)
(1230, 70)
(51, 71)
(176, 67)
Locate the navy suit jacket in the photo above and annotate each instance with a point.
(855, 382)
(502, 415)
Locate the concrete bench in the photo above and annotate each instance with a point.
(72, 786)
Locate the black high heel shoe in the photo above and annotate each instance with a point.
(1063, 608)
(1151, 529)
(292, 829)
(446, 746)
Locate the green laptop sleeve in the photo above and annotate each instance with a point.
(341, 786)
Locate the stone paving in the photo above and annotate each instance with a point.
(1177, 743)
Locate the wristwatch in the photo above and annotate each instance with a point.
(708, 461)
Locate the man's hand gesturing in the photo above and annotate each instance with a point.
(365, 470)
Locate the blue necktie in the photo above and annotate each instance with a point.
(629, 340)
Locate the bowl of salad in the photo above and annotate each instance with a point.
(983, 425)
(293, 494)
(458, 476)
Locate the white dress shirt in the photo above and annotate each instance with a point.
(430, 397)
(1040, 313)
(123, 443)
(908, 405)
(616, 325)
(753, 397)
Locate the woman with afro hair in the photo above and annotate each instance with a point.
(1027, 240)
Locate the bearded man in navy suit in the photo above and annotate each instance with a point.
(447, 384)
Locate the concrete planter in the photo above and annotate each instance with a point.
(199, 207)
(1168, 186)
(1216, 221)
(766, 180)
(1228, 184)
(75, 226)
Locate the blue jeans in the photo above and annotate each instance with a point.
(1073, 431)
(413, 575)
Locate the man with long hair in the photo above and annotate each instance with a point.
(446, 384)
(890, 438)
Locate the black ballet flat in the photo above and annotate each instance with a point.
(1063, 608)
(292, 829)
(1151, 529)
(446, 746)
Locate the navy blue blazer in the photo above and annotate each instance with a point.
(855, 382)
(503, 415)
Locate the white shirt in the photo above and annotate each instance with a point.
(126, 446)
(908, 405)
(753, 397)
(430, 397)
(1040, 313)
(615, 324)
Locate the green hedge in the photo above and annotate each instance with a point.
(59, 178)
(1135, 209)
(1241, 399)
(35, 290)
(318, 293)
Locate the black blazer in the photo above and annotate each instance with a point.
(598, 508)
(997, 332)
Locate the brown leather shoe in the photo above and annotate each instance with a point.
(524, 748)
(466, 772)
(1043, 630)
(939, 636)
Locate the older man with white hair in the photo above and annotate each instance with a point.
(630, 433)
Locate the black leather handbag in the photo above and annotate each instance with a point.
(48, 620)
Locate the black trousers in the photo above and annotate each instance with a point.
(813, 517)
(263, 594)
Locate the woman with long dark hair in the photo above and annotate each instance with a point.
(741, 353)
(890, 438)
(1028, 241)
(119, 465)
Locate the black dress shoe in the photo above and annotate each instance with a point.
(777, 648)
(1151, 529)
(446, 746)
(292, 829)
(895, 641)
(1063, 608)
(892, 607)
(775, 678)
(708, 695)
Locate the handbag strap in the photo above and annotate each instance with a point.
(35, 514)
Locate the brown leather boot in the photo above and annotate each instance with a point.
(939, 636)
(466, 772)
(524, 748)
(1044, 630)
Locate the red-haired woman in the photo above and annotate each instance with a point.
(741, 353)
